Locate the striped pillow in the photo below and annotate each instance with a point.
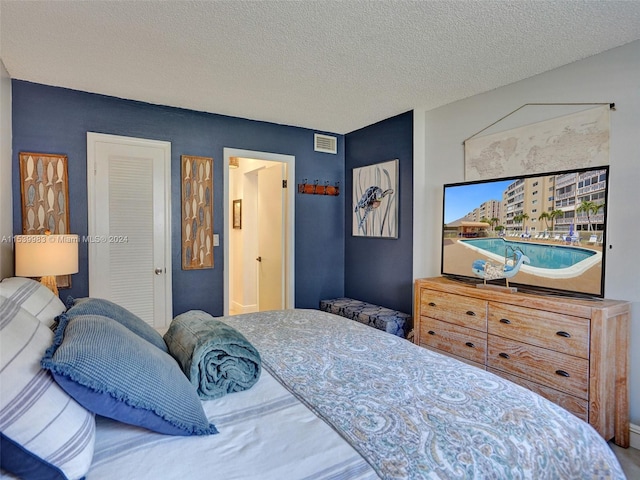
(44, 433)
(34, 297)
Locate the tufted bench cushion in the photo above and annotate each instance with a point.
(391, 321)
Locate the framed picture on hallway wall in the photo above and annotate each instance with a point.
(197, 212)
(375, 200)
(44, 189)
(237, 214)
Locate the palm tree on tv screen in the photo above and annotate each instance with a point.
(546, 217)
(555, 214)
(589, 207)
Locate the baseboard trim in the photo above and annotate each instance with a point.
(240, 308)
(250, 308)
(634, 436)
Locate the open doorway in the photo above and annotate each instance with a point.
(258, 236)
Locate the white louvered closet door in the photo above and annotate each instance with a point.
(128, 182)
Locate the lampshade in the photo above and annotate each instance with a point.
(234, 162)
(46, 255)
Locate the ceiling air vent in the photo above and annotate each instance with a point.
(325, 143)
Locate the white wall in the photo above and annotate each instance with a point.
(243, 185)
(612, 76)
(6, 203)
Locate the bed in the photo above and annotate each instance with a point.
(340, 400)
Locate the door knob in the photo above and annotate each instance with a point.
(259, 259)
(158, 271)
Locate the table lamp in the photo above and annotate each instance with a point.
(46, 256)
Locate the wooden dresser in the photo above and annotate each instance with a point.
(573, 352)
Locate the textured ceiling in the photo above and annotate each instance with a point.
(325, 65)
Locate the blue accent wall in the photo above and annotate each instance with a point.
(379, 270)
(56, 120)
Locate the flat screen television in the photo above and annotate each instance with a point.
(543, 233)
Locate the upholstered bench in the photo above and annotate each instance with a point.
(391, 321)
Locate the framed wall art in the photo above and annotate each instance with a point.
(44, 189)
(375, 200)
(237, 214)
(197, 212)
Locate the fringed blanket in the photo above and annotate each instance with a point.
(216, 358)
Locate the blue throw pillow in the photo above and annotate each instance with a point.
(106, 308)
(114, 373)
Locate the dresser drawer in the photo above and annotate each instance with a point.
(460, 341)
(456, 309)
(575, 405)
(562, 372)
(481, 366)
(562, 333)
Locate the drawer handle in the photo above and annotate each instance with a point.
(504, 355)
(471, 313)
(505, 321)
(469, 344)
(563, 334)
(562, 373)
(431, 332)
(431, 304)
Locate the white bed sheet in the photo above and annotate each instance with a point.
(265, 433)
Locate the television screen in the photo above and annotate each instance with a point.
(542, 232)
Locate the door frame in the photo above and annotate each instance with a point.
(289, 253)
(92, 139)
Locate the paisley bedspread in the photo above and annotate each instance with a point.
(413, 413)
